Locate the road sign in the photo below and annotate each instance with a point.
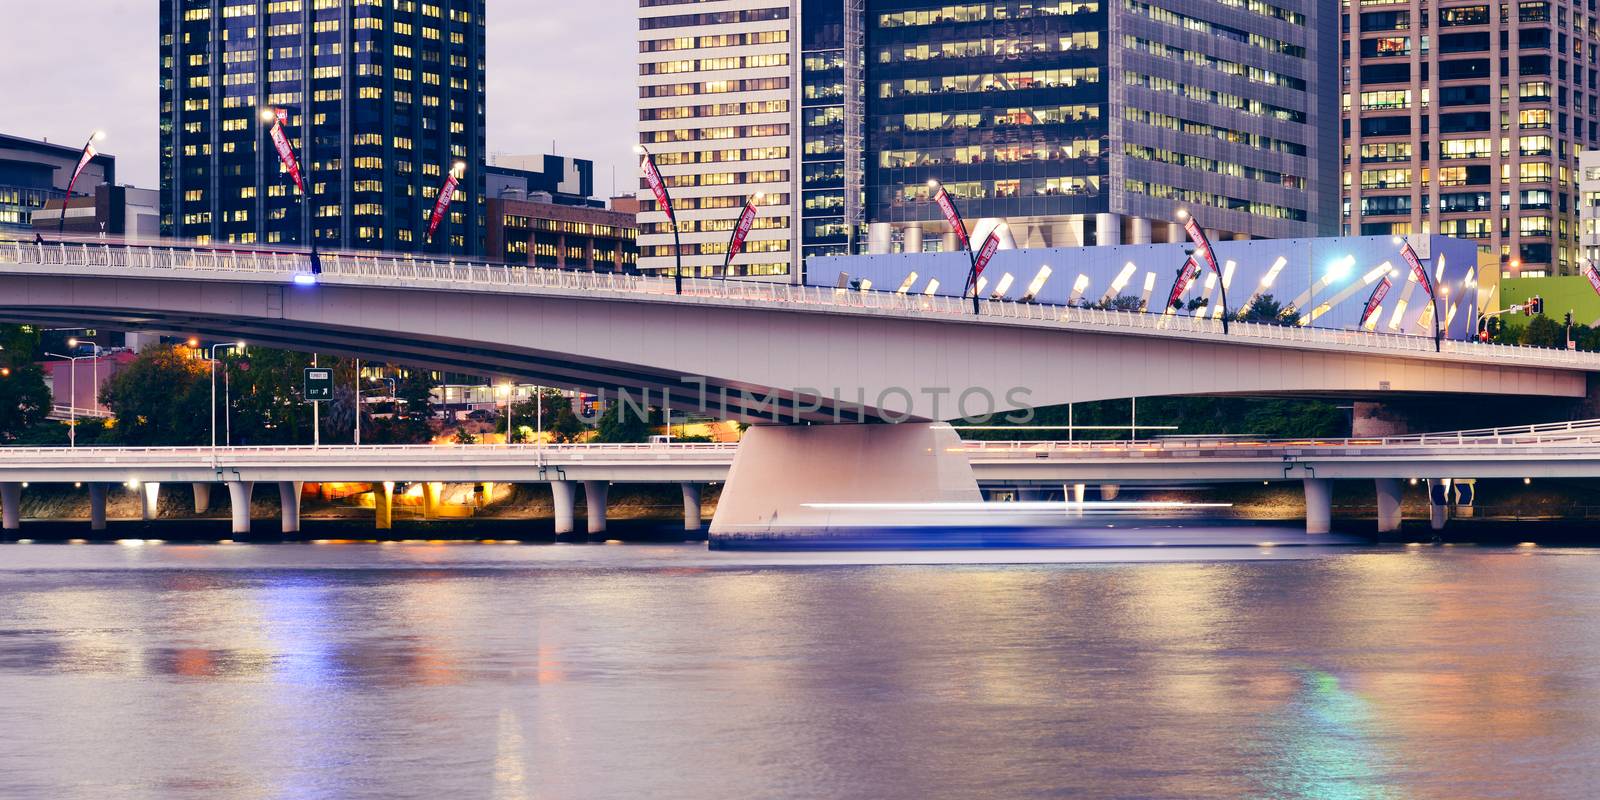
(319, 384)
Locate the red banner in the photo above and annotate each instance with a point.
(1417, 268)
(948, 208)
(990, 246)
(442, 204)
(1378, 293)
(88, 155)
(740, 231)
(1186, 276)
(285, 152)
(652, 178)
(1594, 277)
(1198, 235)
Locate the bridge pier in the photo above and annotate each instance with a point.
(430, 499)
(783, 475)
(97, 506)
(561, 494)
(202, 498)
(1319, 505)
(594, 500)
(289, 500)
(1075, 494)
(1389, 516)
(691, 506)
(239, 504)
(383, 504)
(1438, 502)
(149, 500)
(1109, 491)
(11, 505)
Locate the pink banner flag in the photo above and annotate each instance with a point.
(652, 178)
(740, 231)
(1378, 293)
(990, 246)
(1186, 276)
(1201, 243)
(948, 208)
(441, 205)
(88, 155)
(1592, 276)
(1417, 268)
(285, 152)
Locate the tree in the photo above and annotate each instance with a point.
(24, 398)
(558, 421)
(464, 436)
(266, 391)
(163, 397)
(1542, 331)
(1122, 302)
(622, 423)
(1267, 310)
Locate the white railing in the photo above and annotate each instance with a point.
(455, 273)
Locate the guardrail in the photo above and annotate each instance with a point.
(390, 268)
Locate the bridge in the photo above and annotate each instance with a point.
(1568, 450)
(757, 352)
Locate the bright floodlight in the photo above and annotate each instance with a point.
(73, 342)
(758, 197)
(267, 115)
(1183, 213)
(239, 345)
(1341, 268)
(1398, 240)
(305, 279)
(933, 183)
(638, 149)
(99, 135)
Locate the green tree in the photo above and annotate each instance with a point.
(622, 423)
(558, 421)
(1266, 309)
(1542, 331)
(464, 436)
(24, 398)
(162, 397)
(266, 391)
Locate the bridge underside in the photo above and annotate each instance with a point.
(752, 361)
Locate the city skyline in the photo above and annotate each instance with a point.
(118, 90)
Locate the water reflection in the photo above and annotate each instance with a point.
(372, 671)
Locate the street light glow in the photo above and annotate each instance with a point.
(193, 342)
(305, 279)
(268, 116)
(933, 184)
(638, 149)
(1183, 213)
(99, 136)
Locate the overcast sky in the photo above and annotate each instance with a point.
(558, 70)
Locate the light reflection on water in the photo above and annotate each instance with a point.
(671, 671)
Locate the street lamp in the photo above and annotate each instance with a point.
(83, 161)
(94, 367)
(72, 402)
(505, 390)
(947, 206)
(235, 346)
(658, 186)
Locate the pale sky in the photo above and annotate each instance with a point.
(561, 71)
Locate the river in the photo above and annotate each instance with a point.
(668, 671)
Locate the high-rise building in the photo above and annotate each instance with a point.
(717, 111)
(1466, 119)
(33, 173)
(381, 100)
(1072, 121)
(1589, 207)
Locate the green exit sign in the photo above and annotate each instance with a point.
(319, 384)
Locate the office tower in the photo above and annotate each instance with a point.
(541, 212)
(1095, 121)
(380, 100)
(1467, 120)
(717, 110)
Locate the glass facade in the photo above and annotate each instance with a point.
(1004, 103)
(382, 98)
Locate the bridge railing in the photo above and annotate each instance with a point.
(374, 267)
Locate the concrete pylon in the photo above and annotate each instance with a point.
(11, 505)
(202, 498)
(1319, 505)
(1076, 493)
(1109, 491)
(383, 504)
(1438, 502)
(97, 506)
(594, 501)
(691, 506)
(561, 494)
(149, 500)
(430, 499)
(239, 505)
(1389, 516)
(289, 501)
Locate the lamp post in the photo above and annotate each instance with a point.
(741, 229)
(509, 392)
(658, 186)
(213, 359)
(72, 401)
(275, 117)
(1197, 234)
(83, 161)
(94, 367)
(947, 206)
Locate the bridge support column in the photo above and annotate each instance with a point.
(97, 506)
(1438, 502)
(1319, 505)
(289, 501)
(1109, 491)
(149, 500)
(11, 505)
(782, 474)
(691, 506)
(383, 504)
(1466, 490)
(594, 501)
(561, 494)
(202, 498)
(1389, 517)
(239, 504)
(1075, 494)
(430, 499)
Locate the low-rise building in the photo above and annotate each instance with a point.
(542, 233)
(33, 173)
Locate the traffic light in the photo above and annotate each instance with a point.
(1568, 321)
(1536, 305)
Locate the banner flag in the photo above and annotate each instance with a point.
(442, 205)
(1378, 293)
(652, 178)
(948, 207)
(285, 152)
